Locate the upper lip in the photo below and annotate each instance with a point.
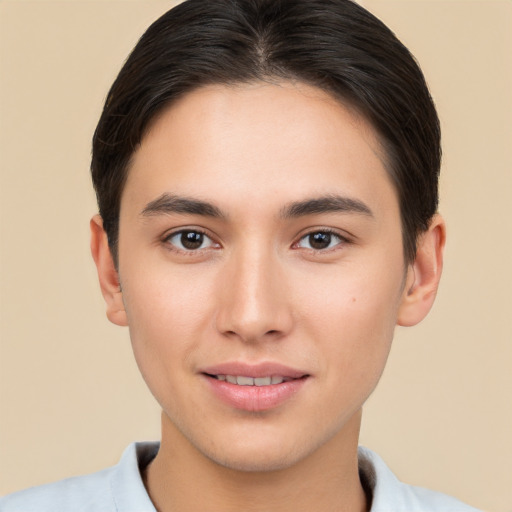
(264, 369)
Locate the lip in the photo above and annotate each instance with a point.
(263, 369)
(254, 398)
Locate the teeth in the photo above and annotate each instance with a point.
(245, 381)
(242, 380)
(263, 381)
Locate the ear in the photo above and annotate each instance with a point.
(107, 273)
(423, 275)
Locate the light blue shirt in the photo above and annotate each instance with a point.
(120, 489)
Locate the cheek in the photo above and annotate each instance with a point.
(351, 312)
(166, 299)
(355, 344)
(168, 312)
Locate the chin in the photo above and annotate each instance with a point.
(263, 454)
(261, 462)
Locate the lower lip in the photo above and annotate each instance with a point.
(255, 398)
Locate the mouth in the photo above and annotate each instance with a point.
(255, 388)
(243, 380)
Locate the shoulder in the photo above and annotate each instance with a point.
(389, 494)
(116, 489)
(89, 492)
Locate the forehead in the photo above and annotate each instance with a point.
(258, 144)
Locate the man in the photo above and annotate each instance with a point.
(266, 174)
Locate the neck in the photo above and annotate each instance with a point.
(180, 478)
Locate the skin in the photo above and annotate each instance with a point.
(257, 291)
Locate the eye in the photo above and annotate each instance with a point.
(320, 240)
(190, 240)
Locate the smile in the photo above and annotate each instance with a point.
(242, 380)
(255, 394)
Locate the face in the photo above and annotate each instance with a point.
(261, 267)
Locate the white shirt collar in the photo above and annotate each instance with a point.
(388, 493)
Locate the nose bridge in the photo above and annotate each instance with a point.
(254, 303)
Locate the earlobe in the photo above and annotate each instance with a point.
(423, 275)
(107, 273)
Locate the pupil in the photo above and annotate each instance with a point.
(320, 240)
(192, 239)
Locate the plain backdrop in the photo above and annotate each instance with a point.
(71, 397)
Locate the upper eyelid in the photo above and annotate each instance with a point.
(176, 231)
(343, 235)
(344, 240)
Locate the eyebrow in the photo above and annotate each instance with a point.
(326, 204)
(168, 204)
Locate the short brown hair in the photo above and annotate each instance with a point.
(335, 45)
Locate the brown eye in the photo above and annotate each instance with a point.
(190, 240)
(319, 240)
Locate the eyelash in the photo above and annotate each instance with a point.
(167, 240)
(342, 240)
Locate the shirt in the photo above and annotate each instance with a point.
(120, 489)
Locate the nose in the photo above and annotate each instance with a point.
(254, 303)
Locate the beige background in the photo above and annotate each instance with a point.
(70, 395)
